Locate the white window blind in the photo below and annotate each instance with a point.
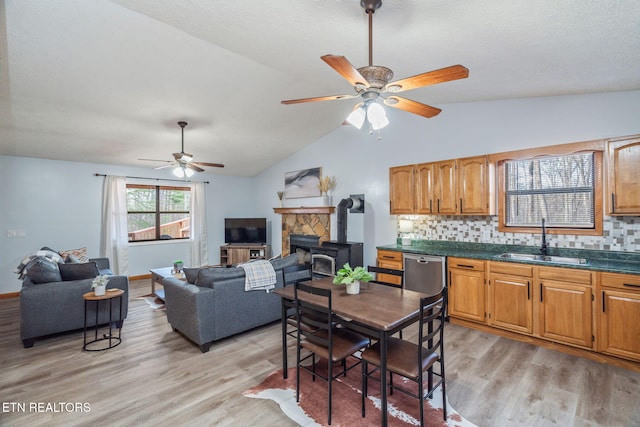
(559, 189)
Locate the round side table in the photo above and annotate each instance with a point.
(113, 341)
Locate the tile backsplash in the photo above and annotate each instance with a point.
(619, 233)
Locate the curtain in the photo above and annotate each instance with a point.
(198, 232)
(115, 240)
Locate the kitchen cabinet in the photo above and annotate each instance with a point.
(566, 305)
(466, 291)
(619, 315)
(234, 254)
(425, 188)
(510, 299)
(623, 176)
(475, 186)
(401, 190)
(448, 187)
(389, 259)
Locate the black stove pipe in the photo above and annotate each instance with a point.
(342, 218)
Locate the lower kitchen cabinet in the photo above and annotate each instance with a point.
(619, 315)
(511, 297)
(566, 305)
(466, 294)
(392, 260)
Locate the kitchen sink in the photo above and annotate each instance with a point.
(543, 258)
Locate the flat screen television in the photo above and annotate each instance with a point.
(245, 230)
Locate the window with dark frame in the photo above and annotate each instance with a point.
(156, 212)
(560, 189)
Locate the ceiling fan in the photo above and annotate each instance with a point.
(372, 83)
(183, 162)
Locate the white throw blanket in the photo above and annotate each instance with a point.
(260, 275)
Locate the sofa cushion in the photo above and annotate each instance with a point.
(207, 276)
(191, 274)
(280, 263)
(85, 270)
(79, 254)
(43, 270)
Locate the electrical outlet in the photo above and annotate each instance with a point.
(16, 233)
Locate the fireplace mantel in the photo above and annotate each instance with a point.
(327, 210)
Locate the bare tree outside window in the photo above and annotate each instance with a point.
(560, 189)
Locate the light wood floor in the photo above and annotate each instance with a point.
(157, 377)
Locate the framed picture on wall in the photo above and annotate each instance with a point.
(302, 183)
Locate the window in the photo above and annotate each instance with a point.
(157, 212)
(562, 189)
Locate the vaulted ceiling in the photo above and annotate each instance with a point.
(107, 81)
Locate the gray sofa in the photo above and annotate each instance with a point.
(213, 304)
(57, 306)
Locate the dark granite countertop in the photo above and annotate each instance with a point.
(611, 261)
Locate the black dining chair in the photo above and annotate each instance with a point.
(411, 360)
(335, 344)
(377, 279)
(389, 271)
(290, 275)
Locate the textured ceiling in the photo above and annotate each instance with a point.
(106, 81)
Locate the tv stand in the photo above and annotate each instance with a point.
(237, 252)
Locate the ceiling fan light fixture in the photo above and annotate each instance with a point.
(179, 172)
(376, 116)
(356, 118)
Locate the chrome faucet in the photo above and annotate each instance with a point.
(544, 247)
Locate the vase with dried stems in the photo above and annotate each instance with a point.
(327, 184)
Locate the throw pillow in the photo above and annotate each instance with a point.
(80, 254)
(191, 274)
(86, 270)
(21, 268)
(43, 270)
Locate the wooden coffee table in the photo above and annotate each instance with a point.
(158, 274)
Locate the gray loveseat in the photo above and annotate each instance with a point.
(212, 304)
(57, 306)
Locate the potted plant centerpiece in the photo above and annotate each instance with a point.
(352, 278)
(177, 265)
(99, 284)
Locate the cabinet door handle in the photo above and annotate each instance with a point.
(540, 292)
(438, 205)
(430, 205)
(631, 285)
(528, 290)
(613, 202)
(388, 257)
(460, 204)
(603, 307)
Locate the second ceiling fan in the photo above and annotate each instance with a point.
(372, 83)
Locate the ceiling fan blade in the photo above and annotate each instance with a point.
(212, 165)
(410, 106)
(319, 98)
(194, 167)
(156, 160)
(164, 166)
(442, 75)
(346, 70)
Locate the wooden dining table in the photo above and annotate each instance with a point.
(377, 310)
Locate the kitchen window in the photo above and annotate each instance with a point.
(157, 212)
(562, 189)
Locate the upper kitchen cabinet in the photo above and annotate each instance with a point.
(475, 186)
(448, 187)
(402, 190)
(623, 180)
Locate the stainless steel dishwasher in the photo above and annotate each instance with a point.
(424, 273)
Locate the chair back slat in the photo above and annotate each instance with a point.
(390, 271)
(317, 314)
(431, 325)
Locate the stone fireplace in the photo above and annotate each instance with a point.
(312, 221)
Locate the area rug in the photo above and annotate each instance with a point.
(403, 410)
(153, 301)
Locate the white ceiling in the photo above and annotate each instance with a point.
(106, 81)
